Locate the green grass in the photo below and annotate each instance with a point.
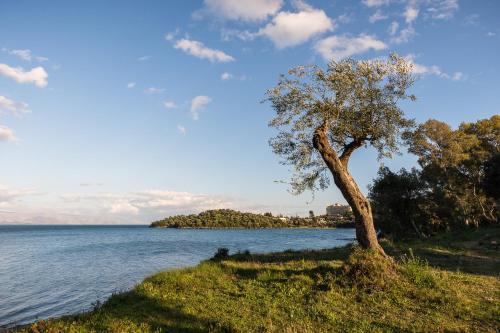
(447, 284)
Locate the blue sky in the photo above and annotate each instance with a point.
(128, 111)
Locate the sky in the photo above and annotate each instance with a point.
(131, 111)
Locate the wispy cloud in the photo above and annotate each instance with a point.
(13, 107)
(25, 55)
(169, 105)
(154, 90)
(199, 50)
(181, 129)
(131, 85)
(375, 3)
(10, 194)
(410, 14)
(197, 104)
(6, 134)
(339, 47)
(149, 201)
(144, 58)
(254, 10)
(442, 9)
(37, 76)
(226, 76)
(378, 16)
(404, 34)
(434, 70)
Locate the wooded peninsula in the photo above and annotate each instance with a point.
(228, 218)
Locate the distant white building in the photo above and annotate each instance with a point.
(337, 210)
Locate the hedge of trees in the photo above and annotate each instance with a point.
(456, 185)
(228, 218)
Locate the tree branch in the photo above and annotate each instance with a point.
(349, 149)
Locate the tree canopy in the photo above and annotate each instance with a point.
(456, 186)
(358, 100)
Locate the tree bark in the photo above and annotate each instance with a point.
(363, 218)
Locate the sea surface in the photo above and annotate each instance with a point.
(49, 271)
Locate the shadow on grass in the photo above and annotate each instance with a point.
(340, 253)
(470, 252)
(136, 308)
(473, 251)
(469, 262)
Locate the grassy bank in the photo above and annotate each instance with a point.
(450, 284)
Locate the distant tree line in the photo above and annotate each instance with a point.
(457, 184)
(228, 218)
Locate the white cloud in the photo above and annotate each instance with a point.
(226, 76)
(339, 47)
(404, 34)
(26, 55)
(16, 108)
(9, 195)
(169, 36)
(197, 104)
(378, 16)
(245, 10)
(6, 134)
(197, 49)
(442, 9)
(148, 202)
(144, 58)
(433, 70)
(130, 85)
(181, 129)
(123, 207)
(491, 34)
(169, 105)
(290, 29)
(154, 90)
(393, 28)
(410, 14)
(376, 3)
(37, 76)
(244, 35)
(458, 76)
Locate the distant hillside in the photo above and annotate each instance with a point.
(227, 218)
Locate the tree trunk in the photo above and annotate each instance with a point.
(365, 230)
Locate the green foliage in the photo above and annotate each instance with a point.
(356, 101)
(456, 186)
(491, 181)
(453, 164)
(222, 253)
(228, 218)
(396, 199)
(309, 291)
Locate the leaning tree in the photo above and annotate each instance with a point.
(323, 116)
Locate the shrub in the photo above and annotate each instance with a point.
(222, 253)
(368, 269)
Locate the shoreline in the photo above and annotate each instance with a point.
(245, 228)
(243, 289)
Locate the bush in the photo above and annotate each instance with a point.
(368, 269)
(222, 253)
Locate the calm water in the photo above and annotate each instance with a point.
(48, 271)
